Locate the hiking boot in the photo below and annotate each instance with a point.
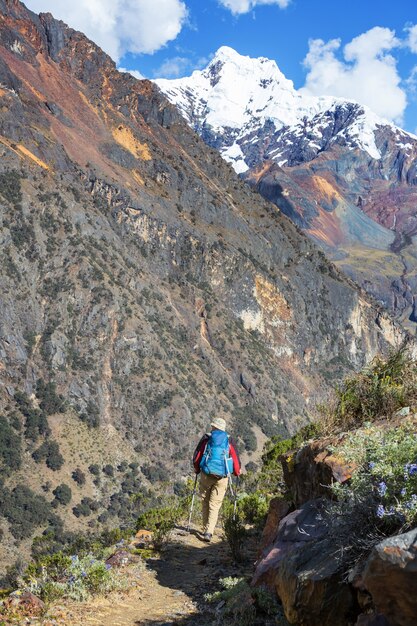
(207, 537)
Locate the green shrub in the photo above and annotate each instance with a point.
(161, 522)
(236, 602)
(78, 476)
(63, 494)
(254, 508)
(234, 530)
(30, 338)
(10, 447)
(381, 497)
(22, 234)
(269, 479)
(94, 469)
(382, 388)
(49, 452)
(92, 504)
(36, 422)
(155, 473)
(71, 577)
(131, 483)
(91, 415)
(54, 566)
(49, 400)
(10, 187)
(241, 605)
(54, 459)
(108, 470)
(24, 510)
(81, 510)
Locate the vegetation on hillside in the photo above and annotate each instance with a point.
(375, 393)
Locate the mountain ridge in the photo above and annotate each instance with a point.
(341, 173)
(242, 93)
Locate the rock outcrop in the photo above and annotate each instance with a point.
(390, 577)
(309, 471)
(302, 562)
(305, 577)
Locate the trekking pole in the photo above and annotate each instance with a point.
(192, 503)
(235, 499)
(233, 492)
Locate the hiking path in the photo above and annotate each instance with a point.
(166, 590)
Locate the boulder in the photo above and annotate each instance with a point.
(278, 509)
(119, 559)
(390, 575)
(143, 539)
(26, 603)
(301, 567)
(309, 472)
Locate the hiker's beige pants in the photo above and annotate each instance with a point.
(212, 492)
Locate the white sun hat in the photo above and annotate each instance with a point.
(219, 423)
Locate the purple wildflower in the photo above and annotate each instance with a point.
(108, 566)
(382, 488)
(403, 491)
(380, 512)
(372, 465)
(412, 469)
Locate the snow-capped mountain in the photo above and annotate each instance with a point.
(343, 174)
(251, 112)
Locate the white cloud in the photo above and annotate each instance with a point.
(178, 66)
(237, 7)
(411, 81)
(412, 38)
(366, 73)
(134, 73)
(172, 68)
(120, 26)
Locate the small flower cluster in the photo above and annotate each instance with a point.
(75, 577)
(389, 471)
(410, 469)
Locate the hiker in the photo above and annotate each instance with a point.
(216, 457)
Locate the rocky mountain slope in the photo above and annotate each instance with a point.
(345, 176)
(144, 289)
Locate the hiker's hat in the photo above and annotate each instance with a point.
(219, 423)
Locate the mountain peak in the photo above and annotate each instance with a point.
(228, 54)
(237, 102)
(252, 69)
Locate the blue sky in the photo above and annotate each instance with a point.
(171, 38)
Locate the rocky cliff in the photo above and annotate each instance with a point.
(341, 173)
(144, 287)
(344, 555)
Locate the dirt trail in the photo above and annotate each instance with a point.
(167, 591)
